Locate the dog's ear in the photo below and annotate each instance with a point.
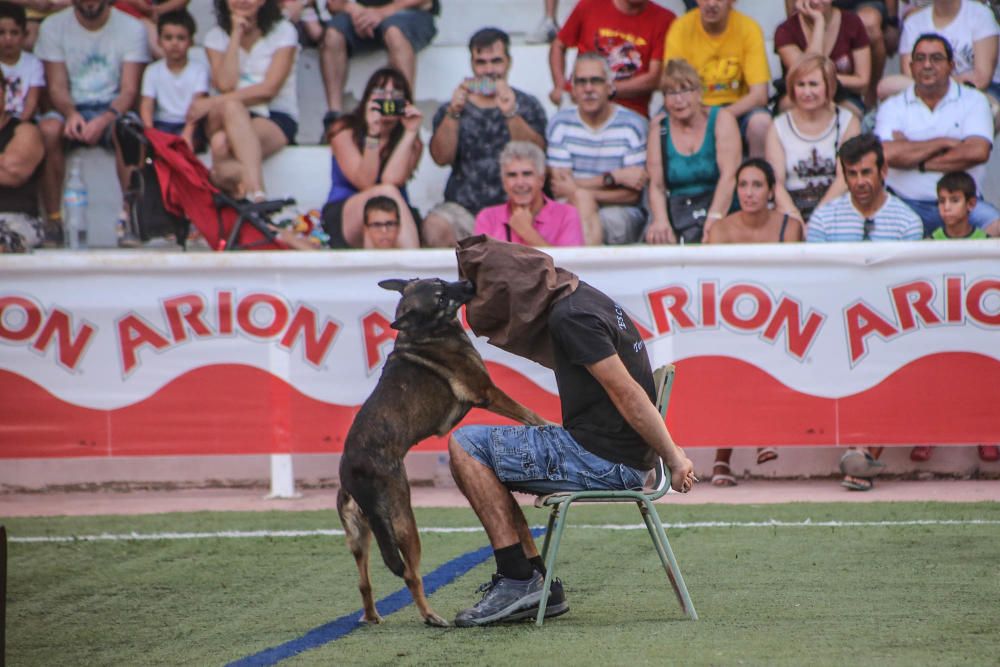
(394, 284)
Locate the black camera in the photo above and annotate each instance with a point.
(392, 107)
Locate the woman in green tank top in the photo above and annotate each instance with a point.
(692, 157)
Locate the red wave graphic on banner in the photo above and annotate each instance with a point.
(717, 401)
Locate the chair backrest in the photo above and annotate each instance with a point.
(663, 379)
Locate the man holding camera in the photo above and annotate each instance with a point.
(470, 131)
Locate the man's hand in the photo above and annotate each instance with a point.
(563, 185)
(458, 99)
(365, 20)
(506, 100)
(556, 95)
(633, 178)
(521, 220)
(681, 472)
(94, 129)
(74, 126)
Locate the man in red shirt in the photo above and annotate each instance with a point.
(628, 33)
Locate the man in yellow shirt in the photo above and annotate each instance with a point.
(727, 49)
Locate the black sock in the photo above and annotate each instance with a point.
(538, 564)
(511, 562)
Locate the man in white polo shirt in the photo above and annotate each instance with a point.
(866, 212)
(597, 157)
(935, 126)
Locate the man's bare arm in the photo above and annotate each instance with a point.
(971, 152)
(635, 406)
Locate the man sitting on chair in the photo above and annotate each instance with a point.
(612, 432)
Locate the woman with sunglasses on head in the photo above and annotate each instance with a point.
(376, 149)
(755, 222)
(692, 156)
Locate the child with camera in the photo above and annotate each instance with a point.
(375, 149)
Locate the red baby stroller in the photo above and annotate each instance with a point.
(169, 190)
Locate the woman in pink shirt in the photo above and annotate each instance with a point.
(528, 217)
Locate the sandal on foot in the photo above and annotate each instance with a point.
(922, 453)
(857, 463)
(988, 453)
(858, 483)
(722, 478)
(765, 454)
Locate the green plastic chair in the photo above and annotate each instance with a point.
(644, 498)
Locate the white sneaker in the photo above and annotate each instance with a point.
(545, 32)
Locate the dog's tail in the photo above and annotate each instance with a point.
(376, 510)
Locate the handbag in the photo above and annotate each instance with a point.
(687, 213)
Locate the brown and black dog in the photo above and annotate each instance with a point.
(432, 378)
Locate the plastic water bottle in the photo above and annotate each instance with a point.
(75, 204)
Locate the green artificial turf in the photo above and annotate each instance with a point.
(774, 595)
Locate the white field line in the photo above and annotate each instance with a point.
(243, 534)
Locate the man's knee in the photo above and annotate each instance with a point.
(396, 41)
(333, 41)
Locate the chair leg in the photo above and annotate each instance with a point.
(666, 554)
(558, 516)
(548, 530)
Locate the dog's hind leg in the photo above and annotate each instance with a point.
(359, 539)
(505, 406)
(405, 527)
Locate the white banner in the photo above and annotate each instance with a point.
(777, 332)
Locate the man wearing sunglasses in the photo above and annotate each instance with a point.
(935, 126)
(867, 212)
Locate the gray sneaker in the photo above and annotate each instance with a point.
(502, 597)
(556, 605)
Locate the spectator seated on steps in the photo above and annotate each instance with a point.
(93, 59)
(597, 157)
(22, 70)
(484, 114)
(401, 27)
(171, 84)
(21, 155)
(935, 126)
(251, 56)
(528, 216)
(375, 150)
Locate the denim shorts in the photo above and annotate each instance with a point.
(416, 25)
(544, 459)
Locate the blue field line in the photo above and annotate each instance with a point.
(334, 630)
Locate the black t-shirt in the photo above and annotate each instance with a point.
(586, 327)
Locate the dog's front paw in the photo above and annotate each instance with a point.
(434, 620)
